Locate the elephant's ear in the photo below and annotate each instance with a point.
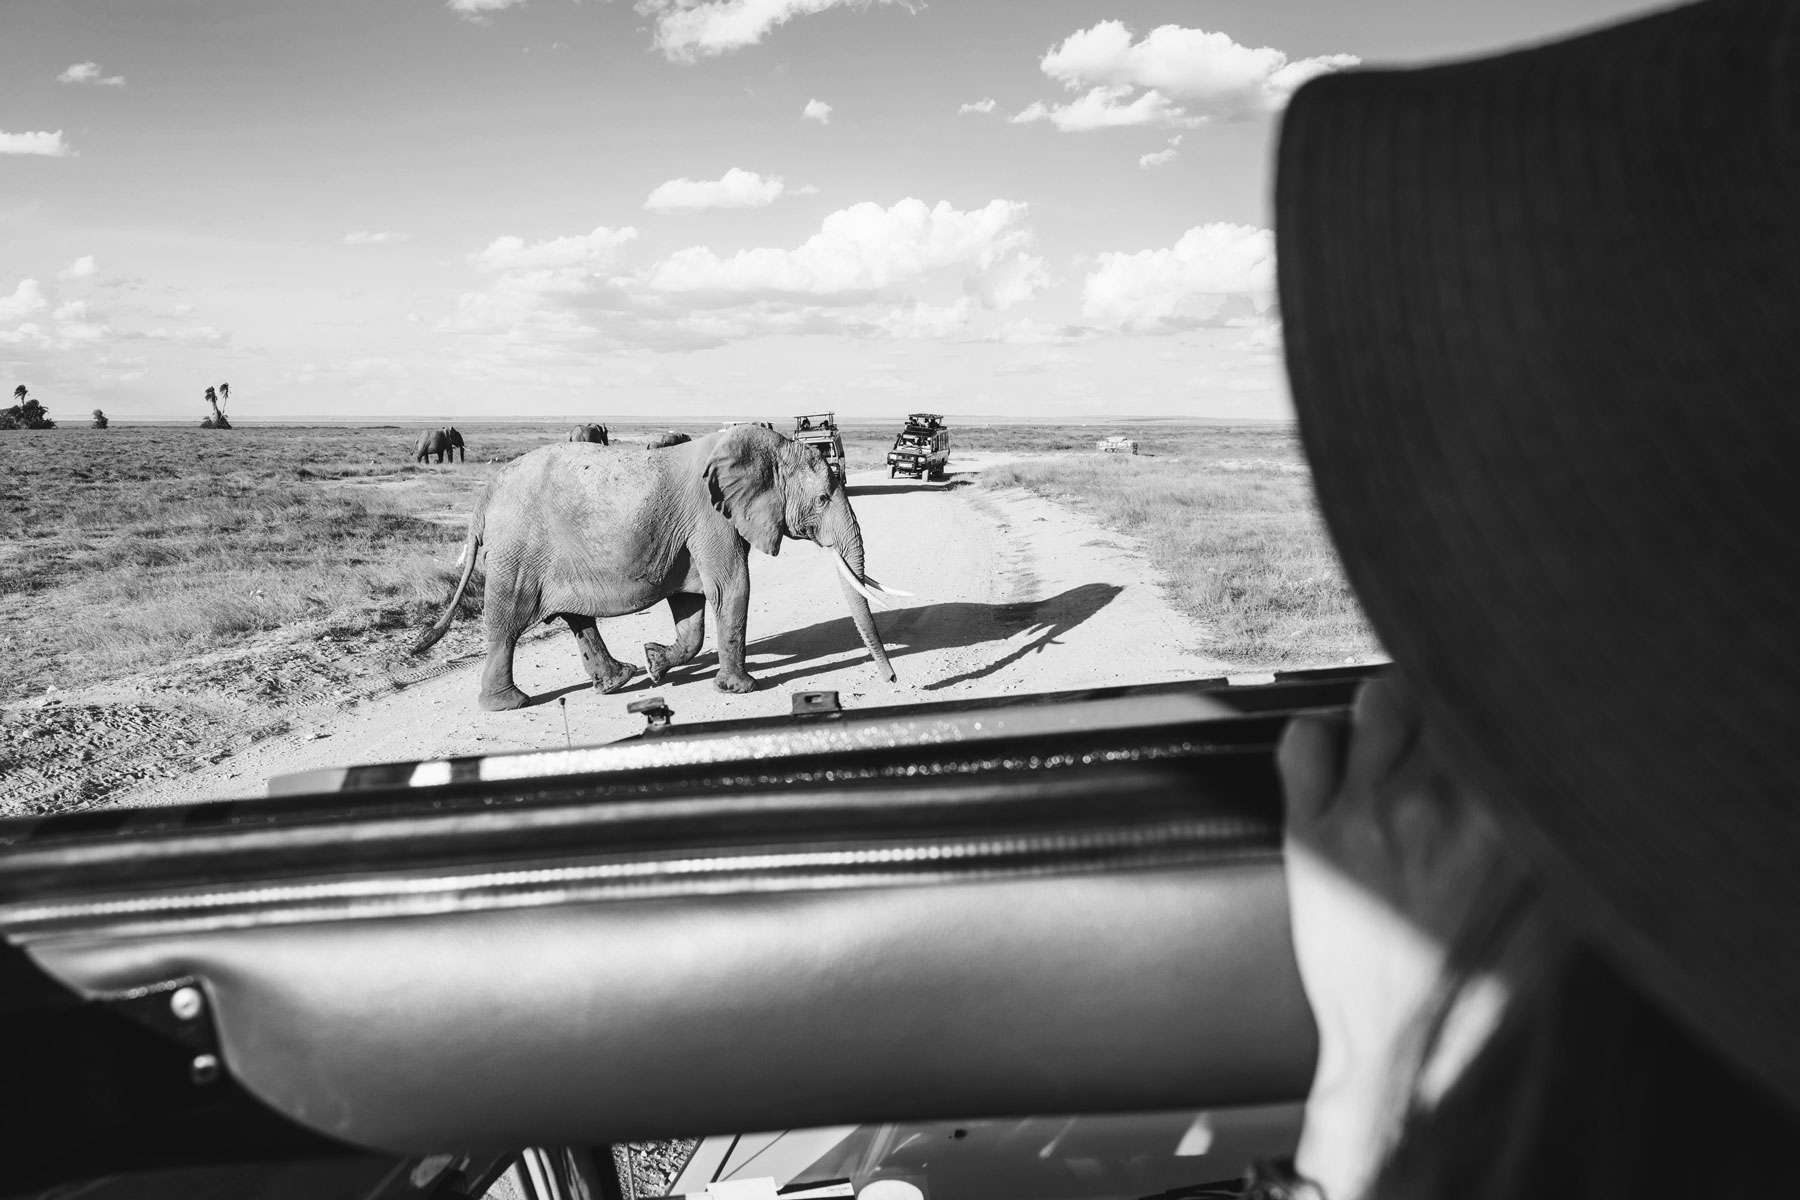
(744, 484)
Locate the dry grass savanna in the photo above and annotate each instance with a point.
(168, 592)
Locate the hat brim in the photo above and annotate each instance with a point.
(1542, 322)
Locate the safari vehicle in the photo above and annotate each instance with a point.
(1116, 445)
(964, 950)
(922, 449)
(820, 431)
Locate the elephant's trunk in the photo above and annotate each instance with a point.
(839, 531)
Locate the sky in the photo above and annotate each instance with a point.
(512, 209)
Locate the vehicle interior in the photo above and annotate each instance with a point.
(998, 948)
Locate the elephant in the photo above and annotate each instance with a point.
(667, 438)
(581, 536)
(589, 433)
(445, 442)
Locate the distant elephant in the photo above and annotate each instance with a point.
(589, 433)
(445, 442)
(667, 438)
(580, 536)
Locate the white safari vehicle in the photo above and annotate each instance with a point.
(820, 431)
(922, 449)
(1116, 445)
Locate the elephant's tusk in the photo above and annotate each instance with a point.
(867, 587)
(883, 588)
(461, 554)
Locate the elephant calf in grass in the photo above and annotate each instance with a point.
(574, 534)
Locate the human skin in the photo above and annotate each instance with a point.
(1384, 854)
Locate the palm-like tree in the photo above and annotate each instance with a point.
(225, 392)
(19, 393)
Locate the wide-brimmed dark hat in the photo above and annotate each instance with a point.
(1542, 316)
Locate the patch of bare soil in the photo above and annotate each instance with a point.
(1012, 594)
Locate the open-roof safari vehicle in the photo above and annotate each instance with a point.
(922, 449)
(1118, 444)
(820, 431)
(966, 950)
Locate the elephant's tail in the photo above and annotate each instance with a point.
(470, 552)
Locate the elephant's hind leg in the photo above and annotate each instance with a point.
(607, 672)
(498, 691)
(690, 632)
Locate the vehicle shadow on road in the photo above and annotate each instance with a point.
(894, 489)
(927, 627)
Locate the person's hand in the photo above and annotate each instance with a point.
(1384, 858)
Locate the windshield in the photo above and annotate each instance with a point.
(307, 309)
(287, 331)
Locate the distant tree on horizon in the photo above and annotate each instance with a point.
(217, 420)
(26, 414)
(100, 421)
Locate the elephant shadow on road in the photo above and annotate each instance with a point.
(818, 648)
(815, 649)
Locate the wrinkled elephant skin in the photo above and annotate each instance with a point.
(585, 536)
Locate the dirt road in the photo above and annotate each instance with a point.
(1013, 594)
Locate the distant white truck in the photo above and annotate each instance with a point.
(1116, 445)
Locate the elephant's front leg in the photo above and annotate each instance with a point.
(689, 612)
(731, 601)
(607, 672)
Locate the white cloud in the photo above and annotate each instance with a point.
(369, 238)
(82, 268)
(1010, 281)
(202, 335)
(27, 298)
(1206, 73)
(858, 250)
(735, 189)
(565, 297)
(1163, 157)
(582, 251)
(915, 320)
(1108, 108)
(1182, 286)
(1027, 332)
(29, 334)
(817, 110)
(474, 9)
(49, 145)
(983, 107)
(529, 282)
(687, 30)
(83, 331)
(71, 324)
(88, 72)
